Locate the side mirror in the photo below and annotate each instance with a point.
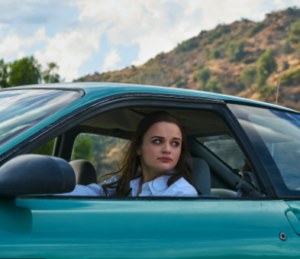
(36, 174)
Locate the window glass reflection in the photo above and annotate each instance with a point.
(22, 109)
(276, 137)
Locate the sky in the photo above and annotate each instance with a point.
(88, 36)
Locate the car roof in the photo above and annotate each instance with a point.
(95, 90)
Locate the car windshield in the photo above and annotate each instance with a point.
(276, 137)
(22, 109)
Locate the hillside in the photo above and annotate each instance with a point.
(243, 59)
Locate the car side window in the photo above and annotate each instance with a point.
(226, 149)
(105, 153)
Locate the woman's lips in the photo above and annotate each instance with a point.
(165, 159)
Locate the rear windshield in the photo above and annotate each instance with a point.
(275, 135)
(22, 109)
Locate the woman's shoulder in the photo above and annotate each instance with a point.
(182, 187)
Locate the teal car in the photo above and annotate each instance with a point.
(245, 157)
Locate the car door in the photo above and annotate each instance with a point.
(274, 134)
(62, 227)
(159, 227)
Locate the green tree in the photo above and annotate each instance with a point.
(49, 75)
(298, 50)
(286, 48)
(25, 71)
(47, 149)
(213, 85)
(294, 33)
(266, 65)
(215, 54)
(3, 74)
(187, 45)
(202, 76)
(235, 50)
(255, 29)
(83, 148)
(291, 78)
(248, 76)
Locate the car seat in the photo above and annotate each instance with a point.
(201, 174)
(202, 179)
(84, 171)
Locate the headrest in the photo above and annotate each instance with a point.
(84, 171)
(201, 174)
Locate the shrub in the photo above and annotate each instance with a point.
(298, 50)
(291, 11)
(292, 78)
(215, 34)
(215, 54)
(180, 84)
(255, 29)
(160, 56)
(266, 65)
(202, 76)
(286, 48)
(294, 32)
(186, 46)
(150, 62)
(249, 60)
(150, 75)
(248, 76)
(267, 91)
(213, 85)
(235, 50)
(245, 20)
(113, 79)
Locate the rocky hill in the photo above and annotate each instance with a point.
(244, 58)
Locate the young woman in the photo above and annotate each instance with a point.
(154, 164)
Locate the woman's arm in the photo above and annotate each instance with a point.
(92, 189)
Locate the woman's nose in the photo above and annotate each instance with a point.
(166, 148)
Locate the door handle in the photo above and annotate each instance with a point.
(293, 217)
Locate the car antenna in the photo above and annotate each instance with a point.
(279, 83)
(277, 98)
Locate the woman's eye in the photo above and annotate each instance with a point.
(176, 144)
(157, 141)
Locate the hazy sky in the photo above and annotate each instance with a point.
(100, 35)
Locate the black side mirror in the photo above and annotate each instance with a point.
(36, 174)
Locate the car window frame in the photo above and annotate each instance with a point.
(127, 100)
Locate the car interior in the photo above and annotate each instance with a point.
(95, 147)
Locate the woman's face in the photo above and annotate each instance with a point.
(161, 147)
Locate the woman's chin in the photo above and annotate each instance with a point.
(163, 169)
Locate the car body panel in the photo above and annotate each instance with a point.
(87, 228)
(293, 215)
(97, 91)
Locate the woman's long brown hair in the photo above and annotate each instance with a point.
(131, 162)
